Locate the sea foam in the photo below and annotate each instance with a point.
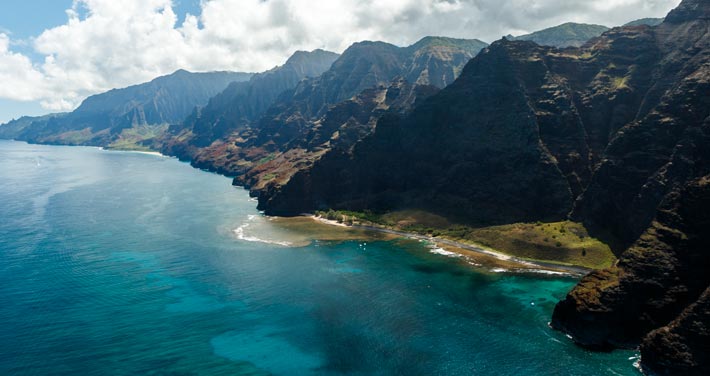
(239, 232)
(443, 252)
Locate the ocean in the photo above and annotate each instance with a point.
(121, 263)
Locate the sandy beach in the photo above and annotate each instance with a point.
(475, 255)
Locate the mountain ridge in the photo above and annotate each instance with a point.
(243, 102)
(101, 119)
(568, 34)
(361, 67)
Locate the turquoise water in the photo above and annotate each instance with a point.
(127, 264)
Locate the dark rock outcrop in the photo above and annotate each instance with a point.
(664, 272)
(654, 181)
(689, 11)
(681, 347)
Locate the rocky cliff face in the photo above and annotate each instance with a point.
(681, 347)
(432, 157)
(612, 125)
(265, 158)
(653, 181)
(516, 138)
(615, 133)
(663, 145)
(328, 141)
(655, 280)
(363, 66)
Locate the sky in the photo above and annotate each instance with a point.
(55, 53)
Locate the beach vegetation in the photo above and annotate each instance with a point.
(564, 242)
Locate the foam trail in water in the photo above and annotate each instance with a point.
(239, 231)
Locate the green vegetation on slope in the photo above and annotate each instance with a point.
(472, 45)
(566, 35)
(646, 21)
(134, 138)
(566, 242)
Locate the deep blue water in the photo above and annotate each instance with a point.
(118, 263)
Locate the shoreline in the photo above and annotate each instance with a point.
(459, 247)
(456, 247)
(102, 148)
(155, 153)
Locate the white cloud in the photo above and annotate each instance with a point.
(20, 80)
(107, 43)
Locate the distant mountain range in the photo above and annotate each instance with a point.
(15, 129)
(244, 102)
(102, 119)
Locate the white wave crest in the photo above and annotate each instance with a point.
(543, 271)
(443, 252)
(239, 231)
